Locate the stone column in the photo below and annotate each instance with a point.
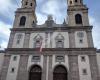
(11, 39)
(5, 67)
(26, 40)
(50, 72)
(71, 39)
(44, 70)
(94, 68)
(90, 38)
(22, 70)
(73, 67)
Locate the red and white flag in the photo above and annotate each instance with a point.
(41, 46)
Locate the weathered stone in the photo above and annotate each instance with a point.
(22, 71)
(73, 68)
(5, 67)
(94, 68)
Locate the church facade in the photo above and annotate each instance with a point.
(51, 51)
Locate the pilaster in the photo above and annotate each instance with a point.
(11, 39)
(73, 67)
(71, 39)
(90, 39)
(5, 67)
(26, 40)
(94, 68)
(44, 70)
(22, 71)
(50, 72)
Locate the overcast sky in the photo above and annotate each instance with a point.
(58, 8)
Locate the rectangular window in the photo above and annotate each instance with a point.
(81, 41)
(19, 36)
(35, 58)
(12, 70)
(15, 58)
(84, 71)
(83, 58)
(18, 41)
(37, 44)
(59, 44)
(60, 58)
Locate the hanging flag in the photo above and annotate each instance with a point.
(41, 46)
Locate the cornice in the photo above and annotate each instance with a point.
(50, 51)
(54, 28)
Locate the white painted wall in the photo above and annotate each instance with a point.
(81, 45)
(15, 40)
(13, 64)
(84, 65)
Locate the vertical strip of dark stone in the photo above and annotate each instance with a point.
(71, 39)
(26, 40)
(10, 43)
(90, 39)
(5, 67)
(22, 70)
(44, 68)
(50, 72)
(73, 67)
(94, 67)
(51, 35)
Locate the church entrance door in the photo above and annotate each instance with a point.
(60, 73)
(35, 73)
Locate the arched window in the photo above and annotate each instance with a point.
(26, 3)
(35, 73)
(78, 19)
(75, 0)
(59, 41)
(70, 2)
(60, 73)
(37, 41)
(31, 4)
(22, 21)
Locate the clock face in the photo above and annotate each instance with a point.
(80, 34)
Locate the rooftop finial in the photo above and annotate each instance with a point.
(50, 17)
(64, 21)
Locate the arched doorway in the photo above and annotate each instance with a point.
(35, 73)
(60, 73)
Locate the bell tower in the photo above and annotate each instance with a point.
(74, 2)
(25, 16)
(77, 13)
(29, 4)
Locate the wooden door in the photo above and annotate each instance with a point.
(35, 73)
